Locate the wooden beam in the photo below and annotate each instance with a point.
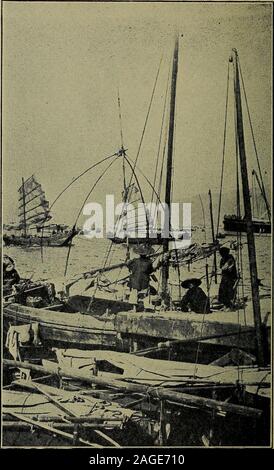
(156, 393)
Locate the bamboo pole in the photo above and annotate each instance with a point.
(17, 425)
(165, 268)
(170, 344)
(248, 214)
(50, 429)
(71, 413)
(153, 392)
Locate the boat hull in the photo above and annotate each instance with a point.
(61, 329)
(129, 330)
(158, 240)
(236, 224)
(53, 240)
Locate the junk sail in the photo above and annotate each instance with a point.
(33, 206)
(33, 214)
(132, 221)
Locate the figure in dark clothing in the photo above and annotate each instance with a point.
(227, 288)
(195, 300)
(140, 268)
(10, 275)
(140, 271)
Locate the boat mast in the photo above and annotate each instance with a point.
(165, 270)
(248, 212)
(24, 207)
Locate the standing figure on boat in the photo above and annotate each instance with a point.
(227, 289)
(10, 275)
(141, 270)
(195, 300)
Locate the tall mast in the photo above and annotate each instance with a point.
(24, 206)
(248, 212)
(165, 270)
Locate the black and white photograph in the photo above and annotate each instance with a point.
(136, 225)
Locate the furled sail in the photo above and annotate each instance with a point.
(33, 206)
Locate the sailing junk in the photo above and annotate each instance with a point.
(261, 215)
(33, 214)
(238, 222)
(33, 206)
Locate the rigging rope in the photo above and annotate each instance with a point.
(203, 211)
(161, 134)
(85, 200)
(120, 119)
(146, 119)
(82, 174)
(128, 195)
(147, 222)
(223, 154)
(147, 180)
(254, 143)
(122, 138)
(203, 322)
(67, 187)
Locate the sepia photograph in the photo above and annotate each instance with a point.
(136, 226)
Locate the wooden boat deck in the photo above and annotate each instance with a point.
(180, 325)
(86, 330)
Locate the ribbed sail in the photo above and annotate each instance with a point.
(131, 222)
(33, 206)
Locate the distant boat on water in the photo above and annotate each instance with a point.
(261, 214)
(233, 223)
(33, 228)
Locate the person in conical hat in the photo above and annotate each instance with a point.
(140, 268)
(143, 249)
(188, 283)
(195, 299)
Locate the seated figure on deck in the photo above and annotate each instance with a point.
(10, 275)
(227, 289)
(195, 300)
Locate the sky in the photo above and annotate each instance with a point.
(64, 62)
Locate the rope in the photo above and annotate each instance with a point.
(161, 134)
(146, 119)
(254, 143)
(120, 119)
(223, 154)
(162, 164)
(103, 266)
(203, 321)
(121, 137)
(253, 194)
(142, 137)
(85, 200)
(82, 174)
(203, 211)
(68, 186)
(139, 187)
